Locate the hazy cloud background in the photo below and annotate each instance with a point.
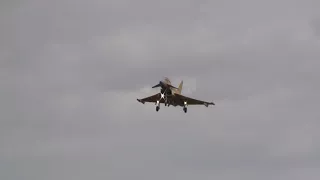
(71, 72)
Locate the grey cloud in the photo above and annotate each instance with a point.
(315, 24)
(71, 73)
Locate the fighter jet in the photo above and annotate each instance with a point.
(170, 95)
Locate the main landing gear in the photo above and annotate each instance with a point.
(166, 103)
(185, 110)
(185, 107)
(157, 106)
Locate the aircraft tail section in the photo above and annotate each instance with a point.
(180, 87)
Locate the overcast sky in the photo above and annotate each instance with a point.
(71, 71)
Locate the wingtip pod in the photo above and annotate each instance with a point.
(139, 100)
(207, 104)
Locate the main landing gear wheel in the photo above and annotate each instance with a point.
(157, 108)
(185, 110)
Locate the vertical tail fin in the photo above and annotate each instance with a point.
(180, 87)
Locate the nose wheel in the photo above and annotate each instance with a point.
(185, 109)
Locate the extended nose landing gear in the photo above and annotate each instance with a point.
(185, 110)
